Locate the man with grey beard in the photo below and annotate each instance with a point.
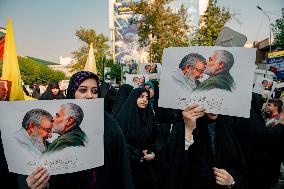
(36, 129)
(218, 67)
(191, 68)
(67, 124)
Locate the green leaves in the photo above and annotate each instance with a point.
(278, 30)
(32, 72)
(161, 28)
(100, 47)
(211, 24)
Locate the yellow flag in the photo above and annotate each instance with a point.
(91, 61)
(10, 68)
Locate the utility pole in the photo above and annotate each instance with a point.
(269, 25)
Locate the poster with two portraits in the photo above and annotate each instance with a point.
(29, 133)
(264, 86)
(221, 80)
(146, 71)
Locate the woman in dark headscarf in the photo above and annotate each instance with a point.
(120, 98)
(115, 173)
(142, 136)
(52, 92)
(203, 152)
(108, 92)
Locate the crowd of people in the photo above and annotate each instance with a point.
(147, 146)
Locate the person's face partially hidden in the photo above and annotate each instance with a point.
(59, 121)
(55, 91)
(281, 115)
(211, 116)
(141, 80)
(88, 89)
(212, 65)
(264, 84)
(136, 82)
(198, 69)
(152, 93)
(3, 91)
(148, 68)
(45, 129)
(142, 101)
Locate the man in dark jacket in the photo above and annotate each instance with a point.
(66, 123)
(217, 68)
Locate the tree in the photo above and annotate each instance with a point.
(160, 27)
(211, 24)
(278, 30)
(101, 49)
(32, 72)
(115, 69)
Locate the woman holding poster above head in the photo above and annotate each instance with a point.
(202, 152)
(115, 173)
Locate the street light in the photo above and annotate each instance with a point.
(269, 26)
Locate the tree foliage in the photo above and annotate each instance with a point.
(32, 72)
(115, 69)
(211, 23)
(101, 49)
(161, 27)
(278, 30)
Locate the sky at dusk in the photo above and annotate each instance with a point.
(46, 29)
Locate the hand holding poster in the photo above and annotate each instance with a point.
(58, 135)
(218, 78)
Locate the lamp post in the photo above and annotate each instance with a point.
(269, 26)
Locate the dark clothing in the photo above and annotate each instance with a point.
(36, 93)
(167, 118)
(108, 92)
(115, 173)
(261, 148)
(73, 137)
(141, 133)
(222, 80)
(194, 168)
(120, 98)
(7, 178)
(47, 96)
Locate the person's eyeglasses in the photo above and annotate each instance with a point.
(200, 71)
(48, 130)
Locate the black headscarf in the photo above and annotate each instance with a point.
(104, 87)
(120, 98)
(132, 119)
(77, 79)
(108, 92)
(47, 95)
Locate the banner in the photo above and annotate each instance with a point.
(127, 46)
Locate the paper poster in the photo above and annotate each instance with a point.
(136, 80)
(5, 89)
(153, 70)
(219, 78)
(264, 86)
(63, 136)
